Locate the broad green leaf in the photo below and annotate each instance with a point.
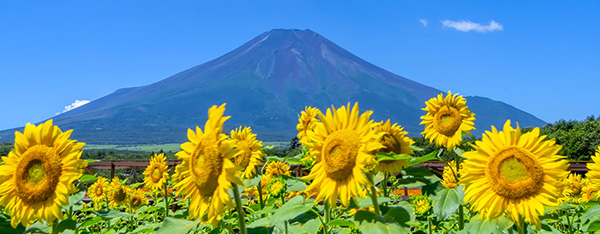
(477, 225)
(310, 227)
(5, 226)
(91, 222)
(447, 203)
(171, 225)
(458, 151)
(366, 201)
(75, 199)
(262, 222)
(399, 214)
(415, 148)
(67, 224)
(87, 178)
(430, 156)
(146, 228)
(294, 160)
(294, 186)
(340, 222)
(294, 207)
(391, 156)
(592, 212)
(260, 230)
(36, 227)
(369, 222)
(111, 214)
(92, 160)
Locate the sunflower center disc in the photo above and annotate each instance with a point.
(120, 195)
(38, 174)
(206, 166)
(339, 153)
(136, 201)
(244, 158)
(448, 120)
(156, 174)
(98, 191)
(515, 174)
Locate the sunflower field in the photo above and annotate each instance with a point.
(357, 176)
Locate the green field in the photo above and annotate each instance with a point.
(174, 147)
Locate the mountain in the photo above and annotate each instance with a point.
(266, 83)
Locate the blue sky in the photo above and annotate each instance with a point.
(540, 56)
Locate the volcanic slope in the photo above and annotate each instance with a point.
(266, 82)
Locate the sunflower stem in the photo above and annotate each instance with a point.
(259, 187)
(384, 184)
(429, 228)
(327, 212)
(461, 215)
(166, 200)
(521, 225)
(240, 210)
(373, 194)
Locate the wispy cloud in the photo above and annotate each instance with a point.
(74, 105)
(465, 26)
(423, 21)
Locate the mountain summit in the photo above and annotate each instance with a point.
(266, 83)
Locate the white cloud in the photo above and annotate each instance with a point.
(74, 105)
(423, 21)
(465, 26)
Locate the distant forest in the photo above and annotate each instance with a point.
(579, 139)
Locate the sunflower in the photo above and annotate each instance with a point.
(207, 169)
(137, 199)
(277, 168)
(446, 119)
(307, 122)
(117, 193)
(589, 191)
(594, 173)
(277, 187)
(250, 149)
(37, 177)
(572, 189)
(157, 173)
(449, 175)
(395, 141)
(343, 142)
(97, 191)
(421, 205)
(514, 173)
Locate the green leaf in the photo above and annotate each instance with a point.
(366, 201)
(36, 227)
(75, 198)
(340, 222)
(415, 148)
(91, 222)
(92, 160)
(171, 225)
(262, 222)
(294, 186)
(6, 228)
(458, 151)
(294, 207)
(260, 230)
(111, 214)
(87, 178)
(146, 228)
(369, 222)
(391, 156)
(310, 227)
(294, 160)
(399, 214)
(447, 204)
(424, 158)
(67, 224)
(477, 225)
(592, 212)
